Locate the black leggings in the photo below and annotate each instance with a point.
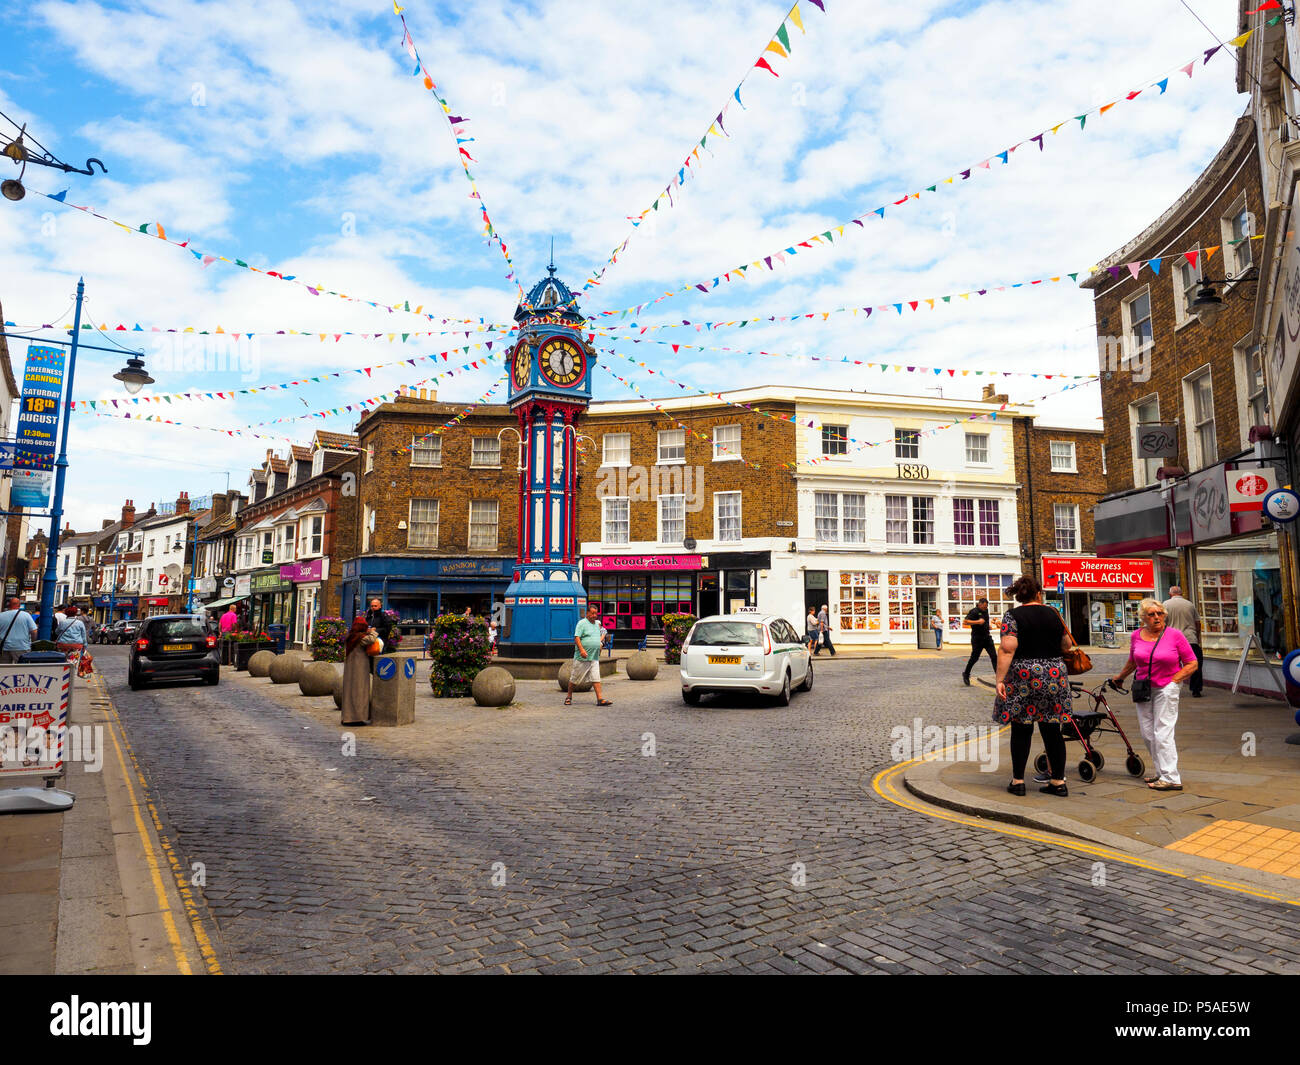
(1022, 736)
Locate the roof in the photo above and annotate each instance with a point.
(299, 453)
(549, 295)
(81, 539)
(336, 441)
(278, 465)
(5, 366)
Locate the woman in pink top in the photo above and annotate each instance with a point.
(1162, 655)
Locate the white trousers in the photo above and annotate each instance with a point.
(1157, 720)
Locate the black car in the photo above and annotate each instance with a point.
(123, 631)
(170, 646)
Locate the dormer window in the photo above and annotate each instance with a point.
(549, 296)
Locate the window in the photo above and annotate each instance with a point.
(426, 450)
(485, 451)
(615, 519)
(367, 523)
(617, 449)
(828, 509)
(312, 534)
(148, 580)
(907, 444)
(835, 439)
(726, 516)
(284, 543)
(267, 546)
(922, 520)
(1141, 414)
(990, 525)
(1065, 519)
(826, 517)
(1186, 279)
(1062, 456)
(67, 561)
(672, 446)
(963, 522)
(483, 523)
(896, 520)
(672, 519)
(1138, 331)
(726, 442)
(977, 449)
(150, 551)
(422, 523)
(1103, 460)
(370, 459)
(1237, 226)
(1256, 389)
(1202, 405)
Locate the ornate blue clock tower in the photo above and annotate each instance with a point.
(550, 387)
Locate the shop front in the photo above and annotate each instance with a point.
(308, 579)
(420, 589)
(114, 608)
(155, 604)
(271, 601)
(1098, 597)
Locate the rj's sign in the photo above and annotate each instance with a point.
(1099, 574)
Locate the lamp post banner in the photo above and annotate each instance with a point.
(38, 426)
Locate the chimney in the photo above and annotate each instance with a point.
(992, 395)
(220, 506)
(183, 503)
(105, 523)
(128, 513)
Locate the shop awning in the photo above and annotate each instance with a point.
(223, 602)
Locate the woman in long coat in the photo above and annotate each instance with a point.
(356, 675)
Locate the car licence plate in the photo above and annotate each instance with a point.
(724, 660)
(178, 647)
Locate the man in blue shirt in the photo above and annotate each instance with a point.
(16, 628)
(588, 639)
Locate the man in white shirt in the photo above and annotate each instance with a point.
(1181, 615)
(16, 630)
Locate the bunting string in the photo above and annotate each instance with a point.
(827, 237)
(778, 46)
(460, 417)
(170, 397)
(457, 123)
(484, 326)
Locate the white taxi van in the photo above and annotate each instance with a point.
(745, 651)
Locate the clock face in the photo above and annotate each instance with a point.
(523, 356)
(563, 362)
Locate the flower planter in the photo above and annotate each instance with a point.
(245, 651)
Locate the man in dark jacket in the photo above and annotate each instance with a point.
(981, 639)
(380, 622)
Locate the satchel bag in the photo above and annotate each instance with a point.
(1076, 658)
(1141, 689)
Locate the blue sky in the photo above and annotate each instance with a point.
(296, 139)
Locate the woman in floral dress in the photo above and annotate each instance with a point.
(1033, 684)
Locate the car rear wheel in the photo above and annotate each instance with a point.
(784, 698)
(212, 678)
(807, 684)
(133, 679)
(690, 698)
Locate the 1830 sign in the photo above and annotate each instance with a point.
(911, 471)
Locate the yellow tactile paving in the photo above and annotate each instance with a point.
(1272, 850)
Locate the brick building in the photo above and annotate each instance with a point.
(1061, 474)
(1182, 386)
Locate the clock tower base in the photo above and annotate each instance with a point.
(542, 604)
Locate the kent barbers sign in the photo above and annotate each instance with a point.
(1099, 574)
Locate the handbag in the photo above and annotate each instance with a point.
(374, 646)
(1141, 689)
(1076, 658)
(87, 664)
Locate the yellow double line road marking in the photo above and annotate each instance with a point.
(201, 938)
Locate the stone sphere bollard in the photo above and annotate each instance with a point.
(337, 691)
(259, 663)
(494, 686)
(566, 668)
(643, 665)
(285, 669)
(317, 678)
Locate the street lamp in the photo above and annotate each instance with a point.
(1209, 305)
(133, 376)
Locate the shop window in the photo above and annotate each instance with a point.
(615, 519)
(483, 524)
(726, 443)
(616, 449)
(967, 589)
(672, 446)
(426, 450)
(901, 601)
(835, 440)
(726, 519)
(422, 523)
(860, 601)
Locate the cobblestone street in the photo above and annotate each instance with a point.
(542, 838)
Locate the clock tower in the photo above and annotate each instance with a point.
(550, 387)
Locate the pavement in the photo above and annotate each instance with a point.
(1237, 817)
(91, 890)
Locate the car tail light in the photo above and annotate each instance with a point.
(140, 645)
(211, 641)
(767, 640)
